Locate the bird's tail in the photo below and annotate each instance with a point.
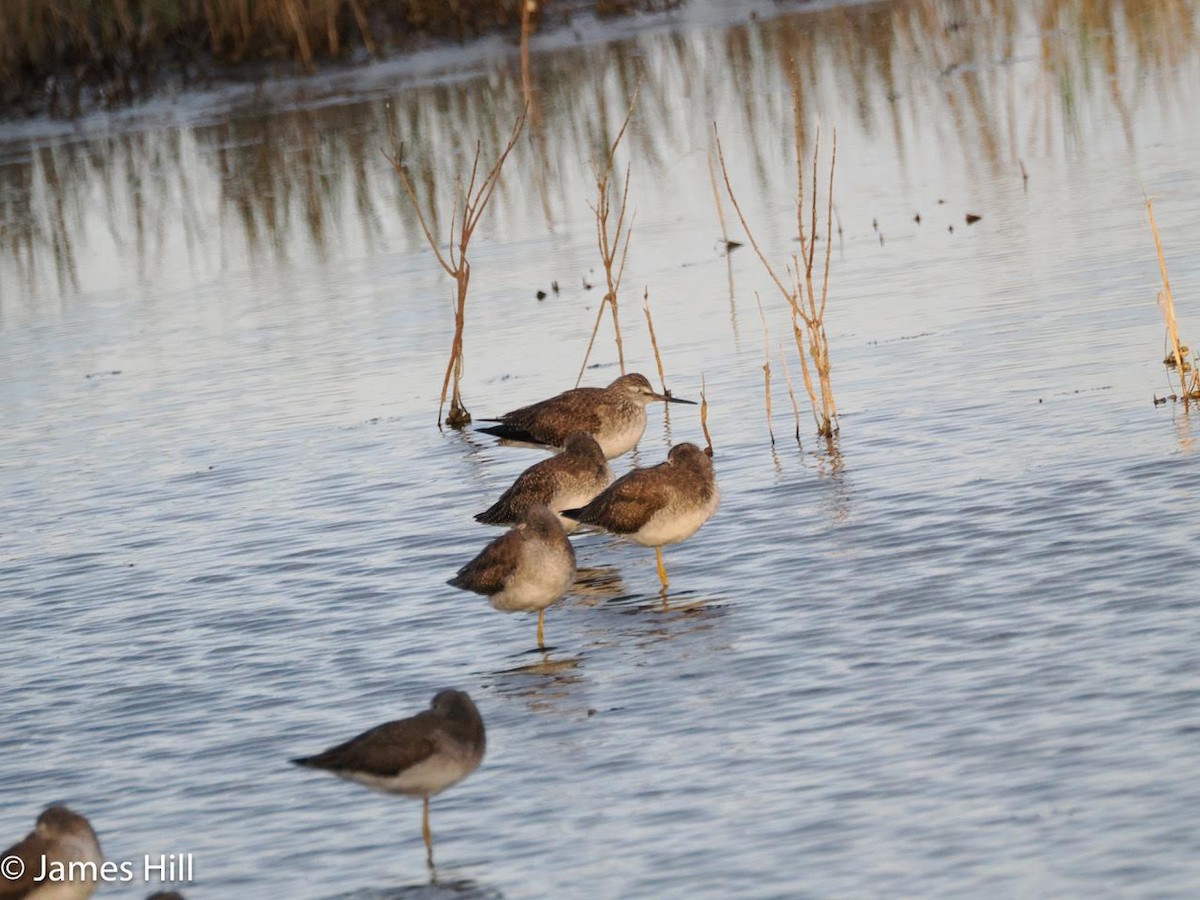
(509, 432)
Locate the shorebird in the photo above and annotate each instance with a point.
(660, 505)
(528, 568)
(615, 416)
(570, 479)
(59, 860)
(418, 757)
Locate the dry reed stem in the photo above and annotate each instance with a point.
(806, 305)
(662, 379)
(528, 8)
(712, 177)
(726, 243)
(766, 366)
(1166, 302)
(454, 262)
(610, 244)
(704, 417)
(787, 377)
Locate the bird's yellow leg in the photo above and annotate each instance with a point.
(427, 834)
(541, 628)
(662, 570)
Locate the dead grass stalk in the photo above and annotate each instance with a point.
(704, 417)
(473, 199)
(609, 241)
(805, 292)
(662, 379)
(766, 366)
(1177, 356)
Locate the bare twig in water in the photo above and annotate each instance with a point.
(1177, 357)
(806, 299)
(766, 366)
(704, 416)
(609, 241)
(473, 199)
(662, 379)
(787, 377)
(728, 245)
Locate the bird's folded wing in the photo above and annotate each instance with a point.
(628, 503)
(383, 751)
(487, 573)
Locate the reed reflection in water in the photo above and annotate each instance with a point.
(285, 178)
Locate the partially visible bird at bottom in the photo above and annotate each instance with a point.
(420, 756)
(526, 569)
(658, 505)
(59, 860)
(568, 479)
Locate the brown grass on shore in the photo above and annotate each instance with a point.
(608, 240)
(67, 55)
(1177, 356)
(473, 199)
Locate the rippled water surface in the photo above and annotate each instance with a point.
(955, 654)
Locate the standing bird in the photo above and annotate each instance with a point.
(660, 505)
(59, 860)
(615, 416)
(570, 479)
(528, 568)
(418, 757)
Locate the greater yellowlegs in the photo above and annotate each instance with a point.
(528, 568)
(418, 757)
(41, 865)
(660, 505)
(569, 479)
(615, 416)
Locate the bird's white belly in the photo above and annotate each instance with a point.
(426, 778)
(542, 578)
(673, 524)
(622, 438)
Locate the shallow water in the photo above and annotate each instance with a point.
(956, 657)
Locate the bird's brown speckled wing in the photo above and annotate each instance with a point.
(550, 421)
(384, 751)
(535, 485)
(30, 849)
(487, 572)
(628, 503)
